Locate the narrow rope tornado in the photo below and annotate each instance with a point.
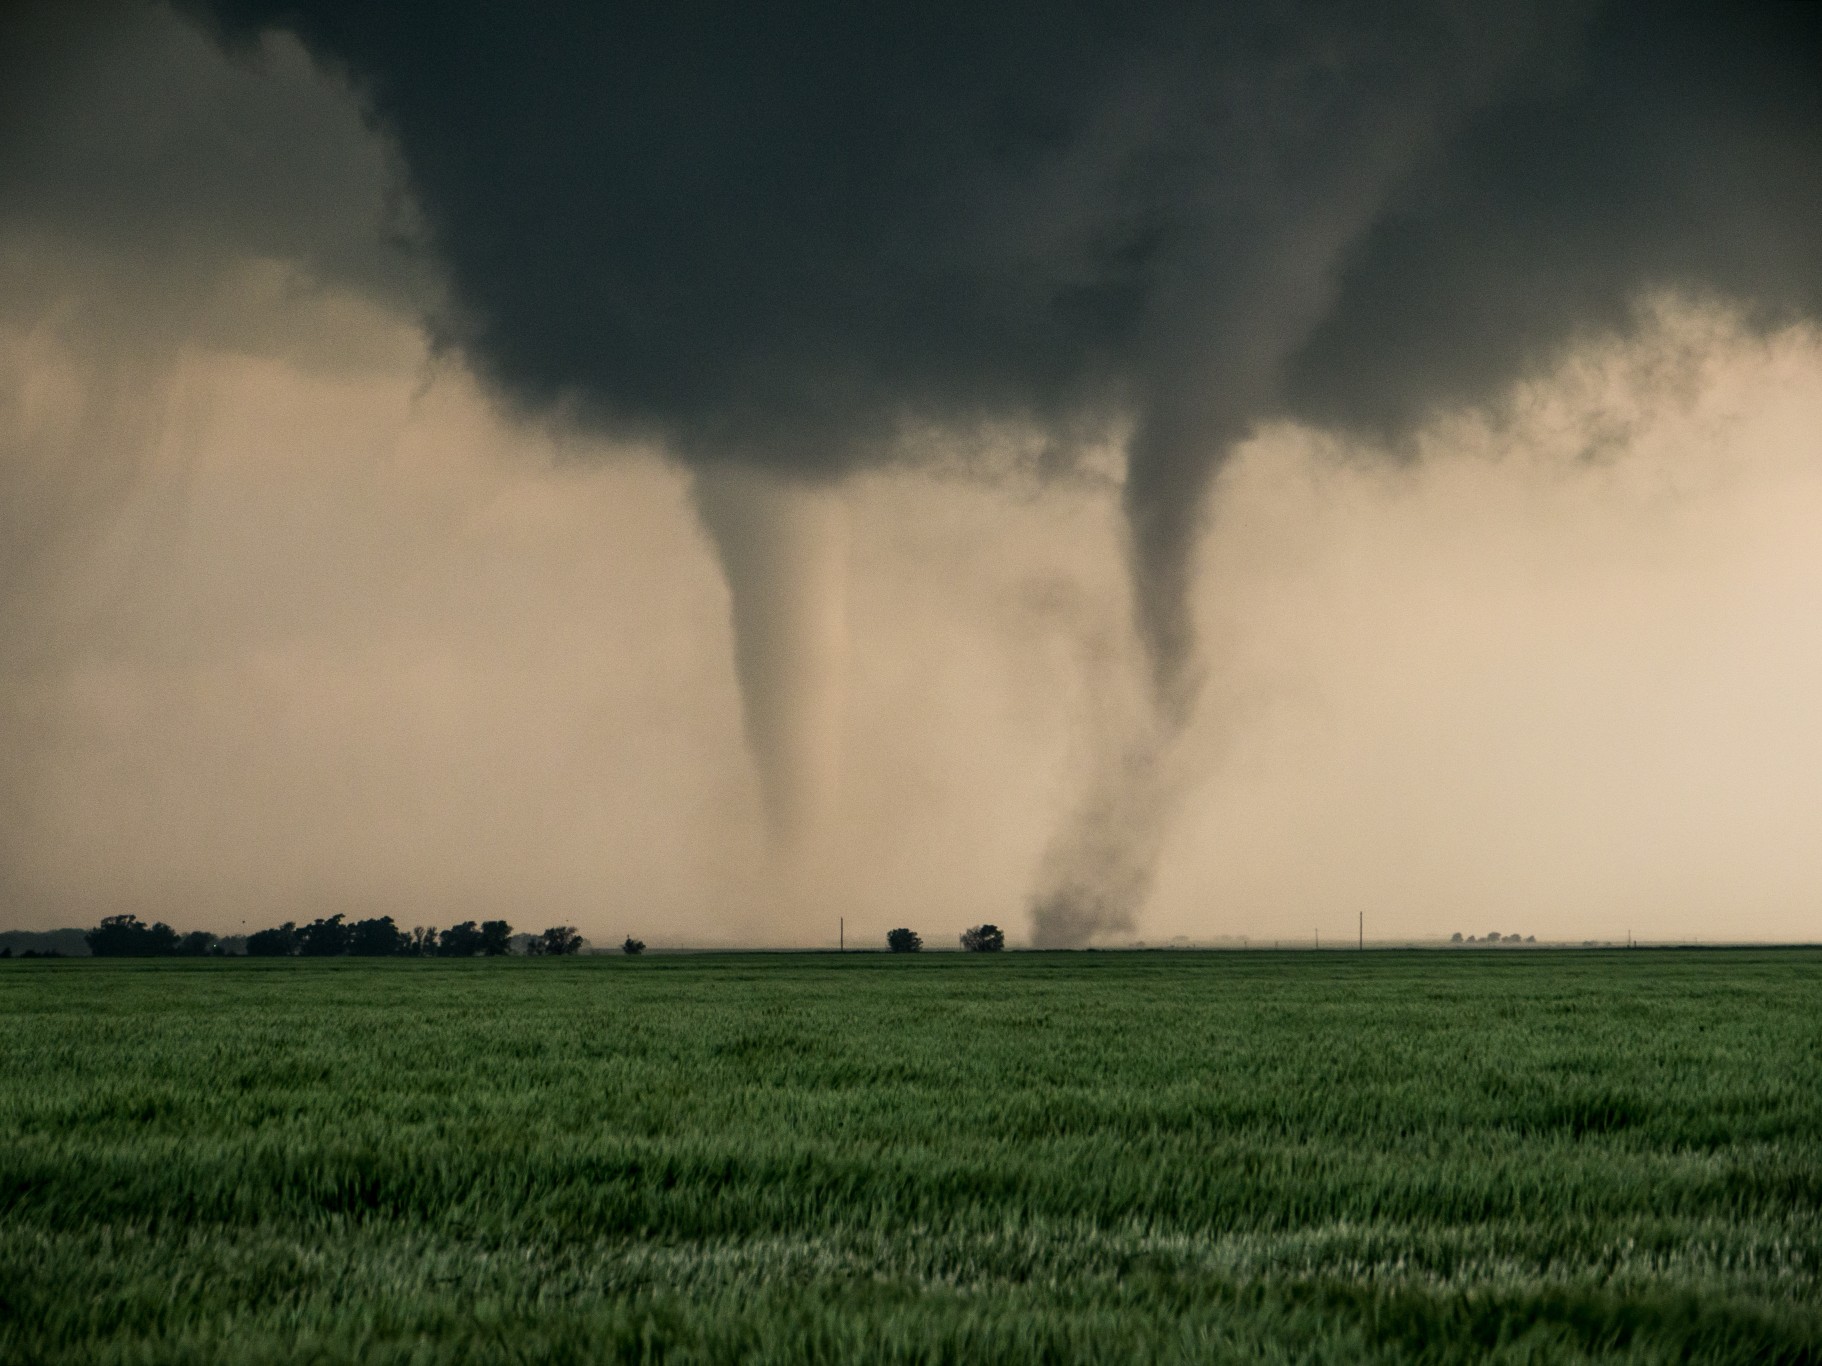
(783, 547)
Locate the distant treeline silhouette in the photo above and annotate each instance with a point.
(127, 936)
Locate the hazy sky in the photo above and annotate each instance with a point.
(1191, 477)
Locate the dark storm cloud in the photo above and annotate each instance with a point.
(137, 168)
(778, 235)
(775, 234)
(1678, 147)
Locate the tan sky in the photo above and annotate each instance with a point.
(298, 620)
(351, 639)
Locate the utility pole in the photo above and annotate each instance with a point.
(1363, 931)
(841, 934)
(1318, 936)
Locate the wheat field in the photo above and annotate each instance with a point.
(1526, 1156)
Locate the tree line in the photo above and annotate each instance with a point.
(127, 936)
(975, 939)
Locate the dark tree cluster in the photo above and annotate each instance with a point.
(126, 936)
(556, 942)
(904, 941)
(381, 938)
(984, 939)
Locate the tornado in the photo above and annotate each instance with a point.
(783, 547)
(1097, 872)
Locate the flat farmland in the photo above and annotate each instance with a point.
(1445, 1156)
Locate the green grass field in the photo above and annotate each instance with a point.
(1527, 1156)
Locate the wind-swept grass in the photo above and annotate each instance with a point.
(1439, 1157)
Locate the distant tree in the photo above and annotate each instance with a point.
(460, 941)
(1493, 938)
(275, 943)
(1530, 939)
(7, 951)
(197, 944)
(904, 941)
(1455, 938)
(496, 938)
(323, 938)
(1514, 939)
(127, 936)
(633, 947)
(555, 942)
(423, 941)
(377, 938)
(984, 939)
(117, 936)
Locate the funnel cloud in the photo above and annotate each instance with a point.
(782, 544)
